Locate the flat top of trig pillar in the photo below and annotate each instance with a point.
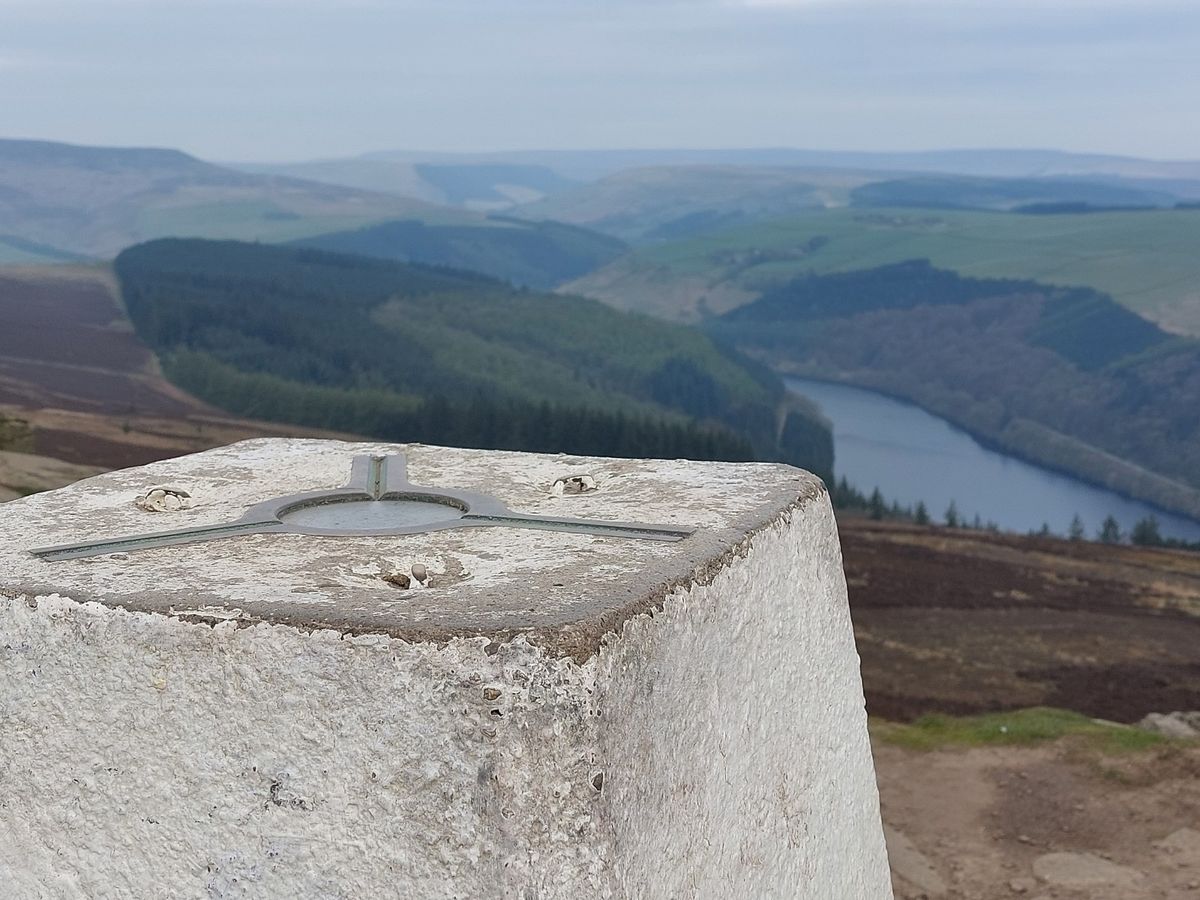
(500, 561)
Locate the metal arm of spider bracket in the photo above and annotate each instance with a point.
(352, 510)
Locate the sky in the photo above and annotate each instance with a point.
(280, 80)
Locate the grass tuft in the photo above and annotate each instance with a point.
(1020, 727)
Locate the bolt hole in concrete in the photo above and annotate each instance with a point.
(164, 499)
(574, 484)
(361, 515)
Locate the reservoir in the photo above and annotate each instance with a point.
(911, 456)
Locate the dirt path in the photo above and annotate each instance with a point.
(1052, 822)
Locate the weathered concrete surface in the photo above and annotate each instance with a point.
(558, 715)
(571, 588)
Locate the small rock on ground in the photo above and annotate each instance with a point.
(1084, 870)
(1180, 725)
(1183, 846)
(912, 865)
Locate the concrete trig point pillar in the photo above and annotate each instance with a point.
(490, 711)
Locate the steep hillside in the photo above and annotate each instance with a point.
(535, 254)
(1145, 260)
(78, 390)
(418, 353)
(65, 343)
(1066, 377)
(61, 199)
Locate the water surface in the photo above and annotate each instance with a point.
(911, 455)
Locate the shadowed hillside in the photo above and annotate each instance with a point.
(535, 254)
(1065, 377)
(417, 353)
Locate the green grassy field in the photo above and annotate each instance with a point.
(1147, 260)
(1017, 728)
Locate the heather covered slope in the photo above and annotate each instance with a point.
(78, 390)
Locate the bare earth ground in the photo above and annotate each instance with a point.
(1043, 822)
(962, 622)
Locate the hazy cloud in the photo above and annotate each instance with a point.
(302, 78)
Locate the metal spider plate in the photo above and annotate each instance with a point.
(377, 500)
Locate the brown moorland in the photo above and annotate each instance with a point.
(958, 621)
(90, 393)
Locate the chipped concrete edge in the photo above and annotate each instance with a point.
(579, 641)
(583, 640)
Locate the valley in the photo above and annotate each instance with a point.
(917, 459)
(725, 450)
(62, 203)
(725, 240)
(1144, 259)
(411, 352)
(1065, 378)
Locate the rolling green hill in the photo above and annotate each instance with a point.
(464, 180)
(60, 202)
(672, 203)
(535, 254)
(418, 353)
(1146, 260)
(646, 205)
(92, 201)
(1063, 376)
(961, 192)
